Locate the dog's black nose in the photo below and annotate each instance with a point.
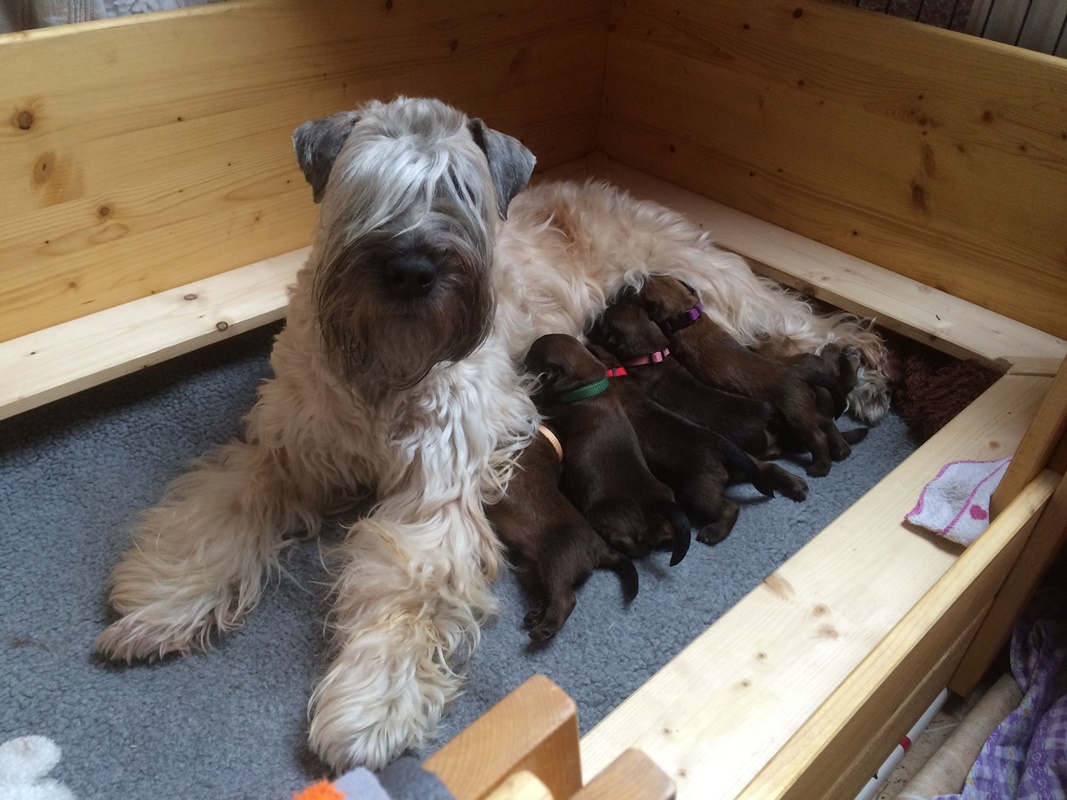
(410, 274)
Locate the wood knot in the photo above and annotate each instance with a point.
(42, 170)
(103, 212)
(189, 297)
(779, 586)
(798, 13)
(24, 120)
(820, 610)
(918, 195)
(222, 325)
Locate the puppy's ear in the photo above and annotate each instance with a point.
(627, 294)
(510, 164)
(317, 144)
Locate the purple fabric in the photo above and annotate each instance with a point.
(1025, 758)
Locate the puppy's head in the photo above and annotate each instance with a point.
(563, 364)
(627, 332)
(411, 194)
(664, 297)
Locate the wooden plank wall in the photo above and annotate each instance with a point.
(141, 154)
(937, 155)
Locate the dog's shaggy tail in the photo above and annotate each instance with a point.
(198, 559)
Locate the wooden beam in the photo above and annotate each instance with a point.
(534, 728)
(64, 359)
(631, 776)
(820, 759)
(911, 147)
(1044, 544)
(521, 786)
(901, 304)
(1045, 434)
(784, 649)
(145, 153)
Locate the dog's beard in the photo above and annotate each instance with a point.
(377, 340)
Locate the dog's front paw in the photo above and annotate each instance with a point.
(368, 711)
(133, 638)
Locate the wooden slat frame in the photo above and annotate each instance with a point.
(912, 664)
(1045, 542)
(73, 356)
(534, 728)
(141, 154)
(938, 155)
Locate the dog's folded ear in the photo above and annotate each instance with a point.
(317, 144)
(510, 163)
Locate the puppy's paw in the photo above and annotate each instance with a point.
(543, 632)
(789, 485)
(712, 534)
(819, 468)
(532, 619)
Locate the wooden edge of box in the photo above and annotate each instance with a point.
(820, 759)
(77, 355)
(725, 706)
(533, 729)
(903, 305)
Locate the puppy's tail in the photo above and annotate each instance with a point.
(854, 435)
(738, 461)
(610, 558)
(682, 533)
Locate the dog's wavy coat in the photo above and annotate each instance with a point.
(395, 379)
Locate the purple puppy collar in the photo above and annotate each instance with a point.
(683, 320)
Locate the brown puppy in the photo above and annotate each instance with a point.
(714, 357)
(605, 475)
(695, 462)
(627, 332)
(536, 521)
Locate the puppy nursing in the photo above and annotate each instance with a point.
(605, 475)
(792, 387)
(541, 525)
(694, 461)
(398, 378)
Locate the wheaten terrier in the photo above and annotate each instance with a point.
(395, 379)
